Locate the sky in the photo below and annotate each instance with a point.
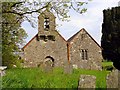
(91, 21)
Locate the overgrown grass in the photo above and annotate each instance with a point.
(107, 64)
(36, 78)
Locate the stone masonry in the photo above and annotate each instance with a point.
(112, 79)
(49, 47)
(84, 51)
(87, 81)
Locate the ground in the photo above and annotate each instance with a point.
(36, 78)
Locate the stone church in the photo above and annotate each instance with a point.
(48, 46)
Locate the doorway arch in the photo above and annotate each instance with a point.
(49, 61)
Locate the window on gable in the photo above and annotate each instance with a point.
(46, 23)
(82, 36)
(84, 54)
(51, 37)
(46, 38)
(43, 37)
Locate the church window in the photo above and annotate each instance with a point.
(43, 37)
(84, 54)
(51, 37)
(82, 36)
(46, 23)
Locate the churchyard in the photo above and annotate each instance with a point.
(56, 78)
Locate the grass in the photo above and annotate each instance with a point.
(107, 64)
(36, 78)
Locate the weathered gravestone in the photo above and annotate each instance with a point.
(2, 70)
(87, 81)
(68, 69)
(112, 79)
(46, 66)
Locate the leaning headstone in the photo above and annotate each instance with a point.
(2, 70)
(112, 79)
(87, 81)
(68, 69)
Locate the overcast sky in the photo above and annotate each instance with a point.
(91, 21)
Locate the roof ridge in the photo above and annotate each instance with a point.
(72, 37)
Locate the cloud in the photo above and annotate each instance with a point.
(91, 20)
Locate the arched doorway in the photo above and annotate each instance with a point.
(49, 61)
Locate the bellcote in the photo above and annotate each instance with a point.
(46, 22)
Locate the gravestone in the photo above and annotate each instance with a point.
(68, 69)
(46, 66)
(87, 81)
(2, 70)
(112, 79)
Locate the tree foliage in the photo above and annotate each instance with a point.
(30, 10)
(111, 36)
(12, 35)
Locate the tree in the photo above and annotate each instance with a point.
(12, 35)
(30, 10)
(111, 36)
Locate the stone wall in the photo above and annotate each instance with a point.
(37, 51)
(94, 57)
(50, 45)
(46, 44)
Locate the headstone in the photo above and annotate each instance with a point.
(46, 66)
(2, 70)
(87, 81)
(112, 79)
(68, 69)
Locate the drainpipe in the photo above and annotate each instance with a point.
(68, 52)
